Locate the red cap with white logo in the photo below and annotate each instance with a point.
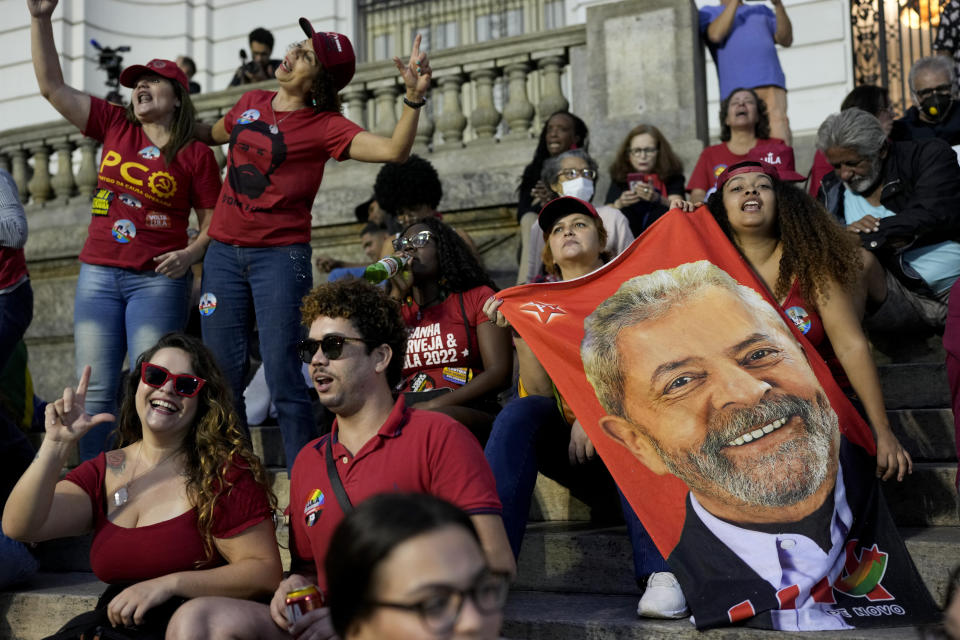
(335, 53)
(166, 68)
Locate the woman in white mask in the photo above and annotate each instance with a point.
(573, 173)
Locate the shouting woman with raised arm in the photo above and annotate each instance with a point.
(134, 280)
(181, 509)
(258, 264)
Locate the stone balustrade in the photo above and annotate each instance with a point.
(521, 73)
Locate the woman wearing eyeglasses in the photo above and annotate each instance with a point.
(644, 175)
(181, 509)
(456, 360)
(574, 173)
(410, 566)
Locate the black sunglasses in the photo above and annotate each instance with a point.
(184, 384)
(331, 345)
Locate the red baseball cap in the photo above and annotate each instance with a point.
(563, 206)
(779, 156)
(165, 68)
(335, 53)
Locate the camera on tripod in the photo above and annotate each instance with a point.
(110, 60)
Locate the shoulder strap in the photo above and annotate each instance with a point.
(466, 321)
(335, 483)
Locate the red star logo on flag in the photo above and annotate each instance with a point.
(544, 310)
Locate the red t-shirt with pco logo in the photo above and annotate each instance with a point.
(274, 168)
(142, 204)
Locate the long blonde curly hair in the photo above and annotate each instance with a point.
(214, 442)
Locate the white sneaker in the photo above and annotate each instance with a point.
(663, 598)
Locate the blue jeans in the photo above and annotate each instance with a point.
(119, 312)
(266, 283)
(16, 312)
(530, 435)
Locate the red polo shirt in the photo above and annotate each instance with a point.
(414, 451)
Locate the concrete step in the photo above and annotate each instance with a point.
(915, 385)
(927, 497)
(39, 610)
(574, 557)
(558, 616)
(928, 434)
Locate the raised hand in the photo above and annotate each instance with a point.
(41, 8)
(67, 418)
(492, 310)
(416, 73)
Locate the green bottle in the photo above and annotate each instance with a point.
(386, 268)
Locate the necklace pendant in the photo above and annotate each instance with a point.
(274, 129)
(120, 496)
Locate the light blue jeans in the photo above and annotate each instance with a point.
(119, 312)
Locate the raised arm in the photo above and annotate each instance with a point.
(840, 323)
(39, 507)
(720, 28)
(784, 33)
(369, 147)
(72, 104)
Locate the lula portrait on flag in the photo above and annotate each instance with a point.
(726, 432)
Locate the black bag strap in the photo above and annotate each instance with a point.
(335, 483)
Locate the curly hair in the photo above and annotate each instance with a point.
(407, 185)
(214, 442)
(323, 95)
(553, 268)
(460, 270)
(815, 248)
(531, 174)
(667, 165)
(762, 128)
(181, 129)
(375, 316)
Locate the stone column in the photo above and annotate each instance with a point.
(64, 183)
(518, 112)
(355, 97)
(5, 162)
(425, 129)
(39, 185)
(87, 171)
(551, 94)
(385, 95)
(19, 172)
(451, 122)
(485, 117)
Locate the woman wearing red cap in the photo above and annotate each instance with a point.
(133, 284)
(258, 263)
(811, 265)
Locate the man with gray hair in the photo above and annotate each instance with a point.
(702, 379)
(933, 87)
(903, 199)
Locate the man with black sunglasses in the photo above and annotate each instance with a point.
(933, 87)
(355, 351)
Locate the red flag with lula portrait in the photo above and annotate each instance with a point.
(723, 427)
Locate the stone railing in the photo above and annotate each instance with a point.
(523, 73)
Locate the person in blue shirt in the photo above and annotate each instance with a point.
(742, 39)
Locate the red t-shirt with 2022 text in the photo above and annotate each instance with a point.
(273, 176)
(142, 204)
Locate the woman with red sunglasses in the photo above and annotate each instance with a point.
(182, 508)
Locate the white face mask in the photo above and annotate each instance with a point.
(578, 188)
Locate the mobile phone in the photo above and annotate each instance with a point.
(633, 179)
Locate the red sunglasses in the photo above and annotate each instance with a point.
(184, 384)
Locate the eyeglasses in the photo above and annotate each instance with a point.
(184, 384)
(417, 241)
(331, 345)
(439, 612)
(643, 151)
(943, 89)
(571, 174)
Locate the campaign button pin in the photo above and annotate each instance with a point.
(123, 231)
(248, 116)
(208, 304)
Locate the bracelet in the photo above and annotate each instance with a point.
(414, 105)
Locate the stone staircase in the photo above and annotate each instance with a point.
(575, 580)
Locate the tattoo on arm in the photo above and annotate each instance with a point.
(116, 461)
